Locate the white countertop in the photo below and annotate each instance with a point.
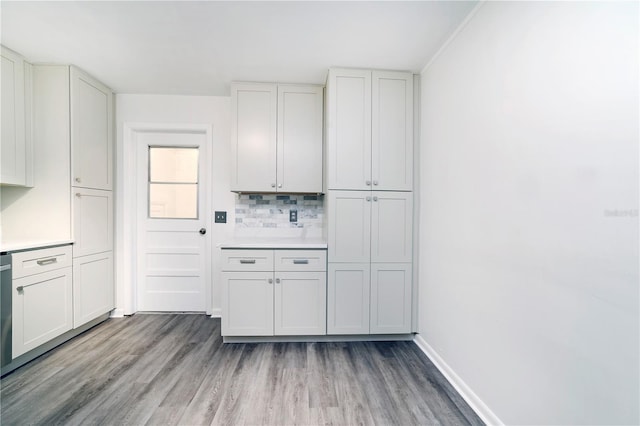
(35, 244)
(274, 243)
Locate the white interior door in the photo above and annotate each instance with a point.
(172, 236)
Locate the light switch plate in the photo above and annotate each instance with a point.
(220, 217)
(293, 215)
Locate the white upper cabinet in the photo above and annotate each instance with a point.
(253, 135)
(392, 131)
(349, 129)
(369, 130)
(16, 152)
(276, 138)
(91, 132)
(299, 165)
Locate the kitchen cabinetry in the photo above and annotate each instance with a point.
(370, 257)
(276, 138)
(366, 226)
(42, 297)
(16, 151)
(369, 130)
(274, 292)
(348, 290)
(92, 184)
(91, 132)
(390, 298)
(92, 221)
(93, 292)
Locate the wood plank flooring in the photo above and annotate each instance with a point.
(174, 370)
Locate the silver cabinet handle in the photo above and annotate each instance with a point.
(49, 261)
(20, 289)
(277, 280)
(78, 194)
(273, 185)
(280, 185)
(247, 261)
(375, 182)
(77, 179)
(375, 198)
(368, 198)
(368, 183)
(270, 280)
(300, 261)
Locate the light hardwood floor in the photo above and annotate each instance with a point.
(174, 369)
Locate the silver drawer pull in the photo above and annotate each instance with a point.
(20, 289)
(300, 261)
(247, 261)
(49, 261)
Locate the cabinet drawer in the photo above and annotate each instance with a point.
(36, 261)
(301, 260)
(247, 260)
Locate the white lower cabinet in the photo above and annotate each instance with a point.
(92, 287)
(300, 303)
(247, 304)
(369, 298)
(42, 308)
(348, 298)
(286, 297)
(390, 298)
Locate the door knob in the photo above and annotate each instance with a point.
(202, 231)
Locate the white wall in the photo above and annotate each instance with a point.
(529, 210)
(183, 110)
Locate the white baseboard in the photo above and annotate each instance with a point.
(476, 404)
(117, 313)
(216, 313)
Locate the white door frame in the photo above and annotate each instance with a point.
(126, 215)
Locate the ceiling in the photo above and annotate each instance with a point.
(199, 47)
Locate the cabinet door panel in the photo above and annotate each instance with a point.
(247, 304)
(93, 221)
(253, 136)
(299, 147)
(42, 310)
(349, 129)
(391, 227)
(300, 303)
(13, 148)
(92, 287)
(390, 298)
(91, 132)
(392, 132)
(348, 298)
(349, 223)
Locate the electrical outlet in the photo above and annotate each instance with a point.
(293, 215)
(220, 217)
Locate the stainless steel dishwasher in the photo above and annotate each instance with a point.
(5, 308)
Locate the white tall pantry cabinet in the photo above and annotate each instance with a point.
(92, 185)
(369, 181)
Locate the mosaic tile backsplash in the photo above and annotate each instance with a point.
(272, 211)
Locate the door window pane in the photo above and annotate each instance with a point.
(173, 183)
(178, 165)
